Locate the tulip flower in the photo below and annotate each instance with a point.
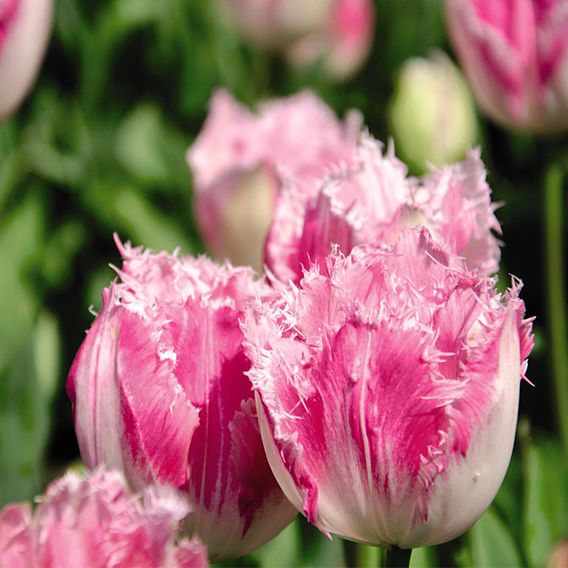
(370, 199)
(432, 96)
(238, 157)
(95, 521)
(24, 30)
(387, 391)
(274, 23)
(515, 55)
(159, 392)
(341, 44)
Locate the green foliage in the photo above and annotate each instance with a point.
(545, 519)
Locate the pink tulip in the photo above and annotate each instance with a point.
(370, 199)
(274, 23)
(387, 391)
(94, 521)
(24, 30)
(238, 157)
(159, 391)
(515, 54)
(342, 44)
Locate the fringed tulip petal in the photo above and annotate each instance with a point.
(159, 391)
(369, 199)
(383, 380)
(16, 546)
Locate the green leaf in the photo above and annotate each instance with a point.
(25, 425)
(60, 250)
(141, 141)
(546, 499)
(134, 217)
(423, 558)
(282, 550)
(491, 543)
(21, 234)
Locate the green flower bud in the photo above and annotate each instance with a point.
(432, 114)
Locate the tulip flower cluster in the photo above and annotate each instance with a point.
(95, 521)
(363, 383)
(369, 378)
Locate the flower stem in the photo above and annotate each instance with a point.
(357, 555)
(398, 557)
(555, 294)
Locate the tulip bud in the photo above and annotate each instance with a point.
(515, 55)
(387, 391)
(341, 44)
(238, 158)
(94, 521)
(274, 23)
(159, 392)
(432, 114)
(24, 31)
(369, 199)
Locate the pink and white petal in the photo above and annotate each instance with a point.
(158, 420)
(188, 554)
(22, 46)
(94, 392)
(229, 140)
(16, 541)
(470, 483)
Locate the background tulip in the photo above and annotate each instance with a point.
(159, 392)
(370, 199)
(24, 30)
(238, 156)
(432, 97)
(559, 556)
(95, 521)
(388, 390)
(341, 44)
(516, 58)
(273, 23)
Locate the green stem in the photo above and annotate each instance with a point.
(357, 555)
(556, 301)
(398, 557)
(350, 554)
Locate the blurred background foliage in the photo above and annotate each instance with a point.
(99, 147)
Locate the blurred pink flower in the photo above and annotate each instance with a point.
(24, 30)
(341, 44)
(159, 391)
(515, 54)
(369, 199)
(387, 391)
(238, 157)
(94, 521)
(274, 23)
